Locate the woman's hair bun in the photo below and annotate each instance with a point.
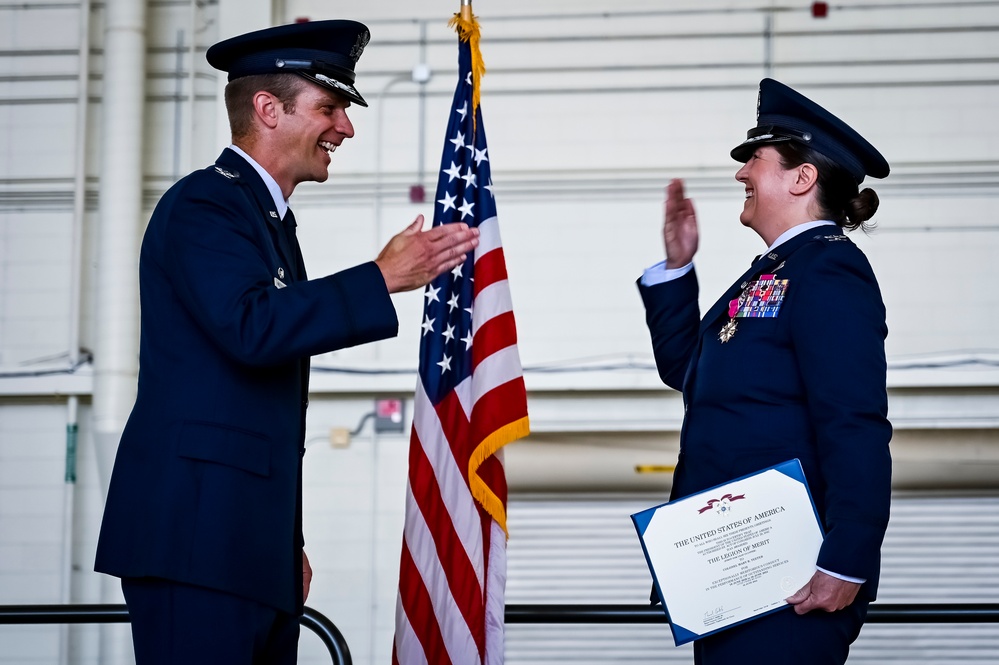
(863, 207)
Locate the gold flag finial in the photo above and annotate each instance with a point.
(468, 31)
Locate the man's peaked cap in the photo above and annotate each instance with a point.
(324, 52)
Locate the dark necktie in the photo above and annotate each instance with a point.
(288, 224)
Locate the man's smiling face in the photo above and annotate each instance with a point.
(312, 132)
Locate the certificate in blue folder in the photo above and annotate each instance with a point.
(724, 556)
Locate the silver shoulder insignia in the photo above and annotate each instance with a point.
(231, 175)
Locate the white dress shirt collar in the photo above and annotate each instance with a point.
(279, 201)
(797, 230)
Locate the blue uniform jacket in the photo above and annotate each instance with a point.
(206, 487)
(807, 384)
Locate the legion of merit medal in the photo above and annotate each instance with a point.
(727, 331)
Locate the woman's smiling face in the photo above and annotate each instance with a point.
(766, 185)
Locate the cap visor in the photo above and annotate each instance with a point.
(339, 87)
(745, 150)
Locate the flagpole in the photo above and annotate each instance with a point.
(466, 10)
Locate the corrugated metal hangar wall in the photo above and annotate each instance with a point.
(591, 108)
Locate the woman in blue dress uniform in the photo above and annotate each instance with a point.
(788, 363)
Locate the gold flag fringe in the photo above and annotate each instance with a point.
(492, 504)
(468, 31)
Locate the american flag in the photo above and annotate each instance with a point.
(470, 401)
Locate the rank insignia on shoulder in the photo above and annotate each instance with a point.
(231, 175)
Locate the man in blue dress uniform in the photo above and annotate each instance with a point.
(203, 520)
(788, 363)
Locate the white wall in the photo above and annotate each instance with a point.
(590, 107)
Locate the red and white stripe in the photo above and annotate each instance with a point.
(453, 570)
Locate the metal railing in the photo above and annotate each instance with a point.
(533, 613)
(40, 614)
(878, 613)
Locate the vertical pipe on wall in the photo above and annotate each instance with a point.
(79, 184)
(768, 42)
(373, 552)
(189, 118)
(68, 503)
(379, 103)
(421, 130)
(235, 17)
(75, 293)
(279, 12)
(120, 222)
(178, 104)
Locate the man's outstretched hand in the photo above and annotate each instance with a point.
(413, 258)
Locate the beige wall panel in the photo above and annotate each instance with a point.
(588, 118)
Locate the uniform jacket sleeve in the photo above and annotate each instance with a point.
(672, 315)
(217, 262)
(838, 332)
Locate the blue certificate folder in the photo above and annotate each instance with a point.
(720, 505)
